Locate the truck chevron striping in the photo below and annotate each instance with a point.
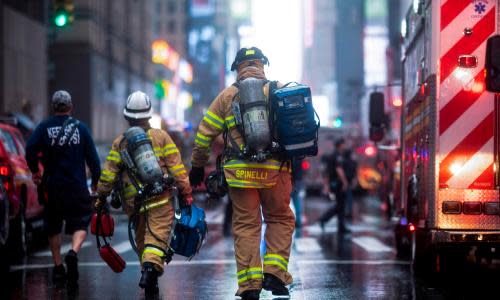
(465, 143)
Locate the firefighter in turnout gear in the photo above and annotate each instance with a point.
(153, 212)
(254, 181)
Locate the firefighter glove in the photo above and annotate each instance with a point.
(196, 176)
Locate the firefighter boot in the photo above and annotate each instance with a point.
(273, 284)
(149, 279)
(250, 295)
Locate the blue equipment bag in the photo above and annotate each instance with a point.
(189, 232)
(294, 121)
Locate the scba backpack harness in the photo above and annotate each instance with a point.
(293, 124)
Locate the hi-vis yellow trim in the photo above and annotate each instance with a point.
(152, 250)
(271, 165)
(153, 205)
(250, 273)
(177, 169)
(250, 52)
(107, 176)
(170, 149)
(230, 122)
(114, 156)
(129, 191)
(248, 184)
(202, 140)
(213, 120)
(276, 260)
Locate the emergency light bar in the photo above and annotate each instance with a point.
(467, 61)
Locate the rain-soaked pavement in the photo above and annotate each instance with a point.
(361, 265)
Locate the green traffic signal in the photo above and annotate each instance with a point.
(61, 19)
(337, 123)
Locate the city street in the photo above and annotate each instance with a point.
(361, 265)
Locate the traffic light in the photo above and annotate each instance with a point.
(63, 13)
(492, 65)
(337, 123)
(159, 89)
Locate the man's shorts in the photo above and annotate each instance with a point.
(72, 206)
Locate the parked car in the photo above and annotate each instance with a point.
(25, 213)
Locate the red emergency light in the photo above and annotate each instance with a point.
(397, 102)
(467, 61)
(305, 165)
(370, 151)
(411, 227)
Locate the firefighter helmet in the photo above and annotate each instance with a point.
(245, 54)
(138, 106)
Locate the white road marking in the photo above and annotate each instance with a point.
(371, 244)
(123, 247)
(225, 262)
(65, 248)
(307, 245)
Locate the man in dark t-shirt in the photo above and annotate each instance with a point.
(66, 147)
(338, 185)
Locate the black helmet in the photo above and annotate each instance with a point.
(248, 54)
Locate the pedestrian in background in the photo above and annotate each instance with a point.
(297, 190)
(338, 186)
(350, 166)
(66, 147)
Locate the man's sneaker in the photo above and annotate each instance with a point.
(275, 285)
(149, 279)
(250, 295)
(71, 260)
(58, 274)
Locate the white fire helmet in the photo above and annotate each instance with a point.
(138, 106)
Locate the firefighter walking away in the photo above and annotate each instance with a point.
(255, 176)
(135, 170)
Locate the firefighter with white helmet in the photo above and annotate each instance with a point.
(136, 168)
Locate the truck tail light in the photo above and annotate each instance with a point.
(452, 207)
(491, 208)
(4, 171)
(472, 208)
(467, 61)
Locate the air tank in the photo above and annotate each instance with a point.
(141, 151)
(254, 113)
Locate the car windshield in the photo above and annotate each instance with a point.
(8, 142)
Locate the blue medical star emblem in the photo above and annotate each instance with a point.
(480, 7)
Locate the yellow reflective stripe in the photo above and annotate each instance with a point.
(153, 205)
(202, 140)
(230, 122)
(201, 143)
(129, 191)
(203, 137)
(171, 152)
(213, 120)
(248, 184)
(251, 273)
(107, 175)
(177, 169)
(277, 260)
(216, 117)
(252, 165)
(154, 251)
(114, 156)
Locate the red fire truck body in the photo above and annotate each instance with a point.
(450, 138)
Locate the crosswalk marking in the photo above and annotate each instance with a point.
(307, 245)
(123, 247)
(371, 244)
(65, 248)
(226, 262)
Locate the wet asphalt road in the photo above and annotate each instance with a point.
(325, 265)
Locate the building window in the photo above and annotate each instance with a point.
(172, 7)
(172, 26)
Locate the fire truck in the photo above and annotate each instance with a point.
(449, 208)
